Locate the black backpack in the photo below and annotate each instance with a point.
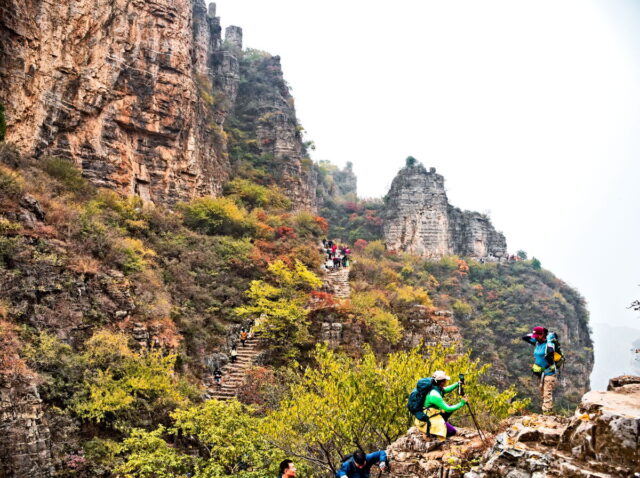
(415, 404)
(558, 356)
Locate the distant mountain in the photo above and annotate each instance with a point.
(614, 353)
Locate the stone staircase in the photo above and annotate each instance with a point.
(233, 373)
(338, 283)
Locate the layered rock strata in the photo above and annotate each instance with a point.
(124, 88)
(266, 111)
(419, 219)
(25, 447)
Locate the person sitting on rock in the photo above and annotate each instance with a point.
(437, 410)
(359, 465)
(544, 364)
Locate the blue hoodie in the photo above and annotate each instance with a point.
(543, 352)
(350, 469)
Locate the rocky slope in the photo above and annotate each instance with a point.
(601, 440)
(138, 93)
(419, 219)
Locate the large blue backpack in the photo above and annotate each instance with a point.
(415, 403)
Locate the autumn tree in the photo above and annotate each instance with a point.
(279, 304)
(344, 403)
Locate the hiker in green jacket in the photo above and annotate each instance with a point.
(438, 410)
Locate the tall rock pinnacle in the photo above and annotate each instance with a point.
(419, 219)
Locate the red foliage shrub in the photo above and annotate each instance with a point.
(323, 223)
(322, 299)
(255, 388)
(285, 232)
(11, 365)
(360, 244)
(351, 206)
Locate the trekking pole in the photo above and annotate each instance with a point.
(473, 416)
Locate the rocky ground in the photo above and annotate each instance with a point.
(601, 440)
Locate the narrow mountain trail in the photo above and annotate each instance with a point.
(233, 373)
(338, 282)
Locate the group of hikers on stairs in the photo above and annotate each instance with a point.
(431, 413)
(337, 256)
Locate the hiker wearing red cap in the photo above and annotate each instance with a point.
(544, 365)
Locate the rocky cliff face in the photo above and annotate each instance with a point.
(601, 440)
(137, 94)
(419, 219)
(265, 112)
(123, 88)
(25, 448)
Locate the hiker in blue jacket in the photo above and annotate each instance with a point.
(544, 364)
(359, 465)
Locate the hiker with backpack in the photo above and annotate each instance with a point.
(546, 354)
(243, 337)
(217, 378)
(427, 405)
(358, 465)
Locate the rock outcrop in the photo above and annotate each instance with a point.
(419, 219)
(265, 111)
(25, 448)
(138, 93)
(601, 440)
(124, 88)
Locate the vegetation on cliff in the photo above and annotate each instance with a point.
(116, 306)
(494, 305)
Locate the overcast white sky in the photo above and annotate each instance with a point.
(530, 109)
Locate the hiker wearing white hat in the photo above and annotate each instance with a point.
(434, 420)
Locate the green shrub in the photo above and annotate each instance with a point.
(254, 195)
(11, 184)
(375, 249)
(133, 254)
(124, 389)
(217, 216)
(3, 123)
(8, 228)
(342, 401)
(67, 173)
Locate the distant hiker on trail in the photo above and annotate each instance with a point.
(336, 262)
(345, 261)
(217, 377)
(359, 465)
(324, 243)
(434, 419)
(546, 353)
(287, 469)
(334, 248)
(234, 354)
(243, 337)
(329, 264)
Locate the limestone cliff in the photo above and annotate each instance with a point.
(138, 93)
(265, 114)
(419, 219)
(121, 87)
